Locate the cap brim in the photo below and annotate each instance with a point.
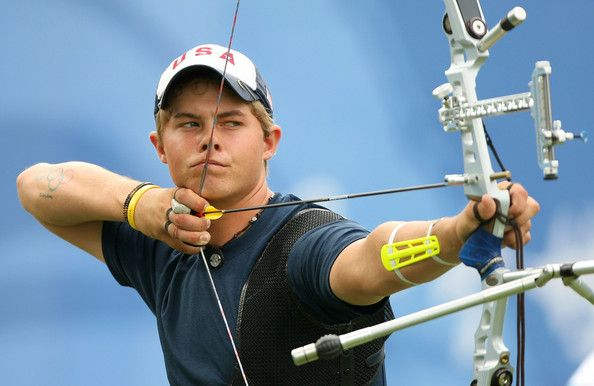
(240, 88)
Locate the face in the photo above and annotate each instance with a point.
(236, 162)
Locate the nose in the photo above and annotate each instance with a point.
(209, 140)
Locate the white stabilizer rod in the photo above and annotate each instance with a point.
(516, 282)
(308, 353)
(513, 18)
(580, 287)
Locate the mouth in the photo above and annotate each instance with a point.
(211, 162)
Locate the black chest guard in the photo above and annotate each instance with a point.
(272, 322)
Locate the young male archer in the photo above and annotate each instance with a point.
(284, 276)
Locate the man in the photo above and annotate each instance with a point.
(284, 276)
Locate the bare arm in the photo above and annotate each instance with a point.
(72, 200)
(358, 276)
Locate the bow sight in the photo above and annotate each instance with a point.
(469, 44)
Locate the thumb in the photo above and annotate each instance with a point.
(485, 209)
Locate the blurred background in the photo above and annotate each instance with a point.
(351, 83)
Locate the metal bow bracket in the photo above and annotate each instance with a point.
(469, 40)
(460, 111)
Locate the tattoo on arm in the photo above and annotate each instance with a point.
(52, 179)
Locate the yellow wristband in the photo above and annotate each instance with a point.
(134, 201)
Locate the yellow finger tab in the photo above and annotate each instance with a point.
(212, 213)
(407, 252)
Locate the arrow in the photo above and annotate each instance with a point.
(213, 213)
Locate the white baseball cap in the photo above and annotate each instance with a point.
(241, 74)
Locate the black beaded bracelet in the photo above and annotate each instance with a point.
(130, 195)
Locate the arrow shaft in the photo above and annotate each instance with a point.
(334, 198)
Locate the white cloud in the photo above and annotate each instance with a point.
(584, 376)
(459, 282)
(570, 238)
(319, 185)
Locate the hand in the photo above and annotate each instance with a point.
(522, 209)
(185, 232)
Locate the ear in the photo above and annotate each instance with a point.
(272, 141)
(156, 141)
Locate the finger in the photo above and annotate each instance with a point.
(518, 197)
(170, 228)
(178, 240)
(174, 231)
(531, 209)
(175, 192)
(526, 227)
(189, 237)
(509, 239)
(526, 237)
(508, 185)
(189, 198)
(484, 210)
(185, 247)
(520, 220)
(166, 226)
(189, 222)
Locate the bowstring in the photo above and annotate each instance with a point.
(520, 313)
(222, 311)
(201, 187)
(219, 97)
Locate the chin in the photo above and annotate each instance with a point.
(212, 193)
(192, 183)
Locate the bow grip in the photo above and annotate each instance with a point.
(482, 251)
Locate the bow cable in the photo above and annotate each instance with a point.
(200, 189)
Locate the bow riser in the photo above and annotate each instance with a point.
(464, 26)
(466, 61)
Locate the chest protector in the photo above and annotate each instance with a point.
(272, 322)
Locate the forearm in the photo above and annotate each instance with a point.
(73, 193)
(359, 277)
(425, 270)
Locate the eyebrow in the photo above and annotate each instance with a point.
(225, 114)
(231, 113)
(186, 115)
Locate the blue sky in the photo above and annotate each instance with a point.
(351, 83)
